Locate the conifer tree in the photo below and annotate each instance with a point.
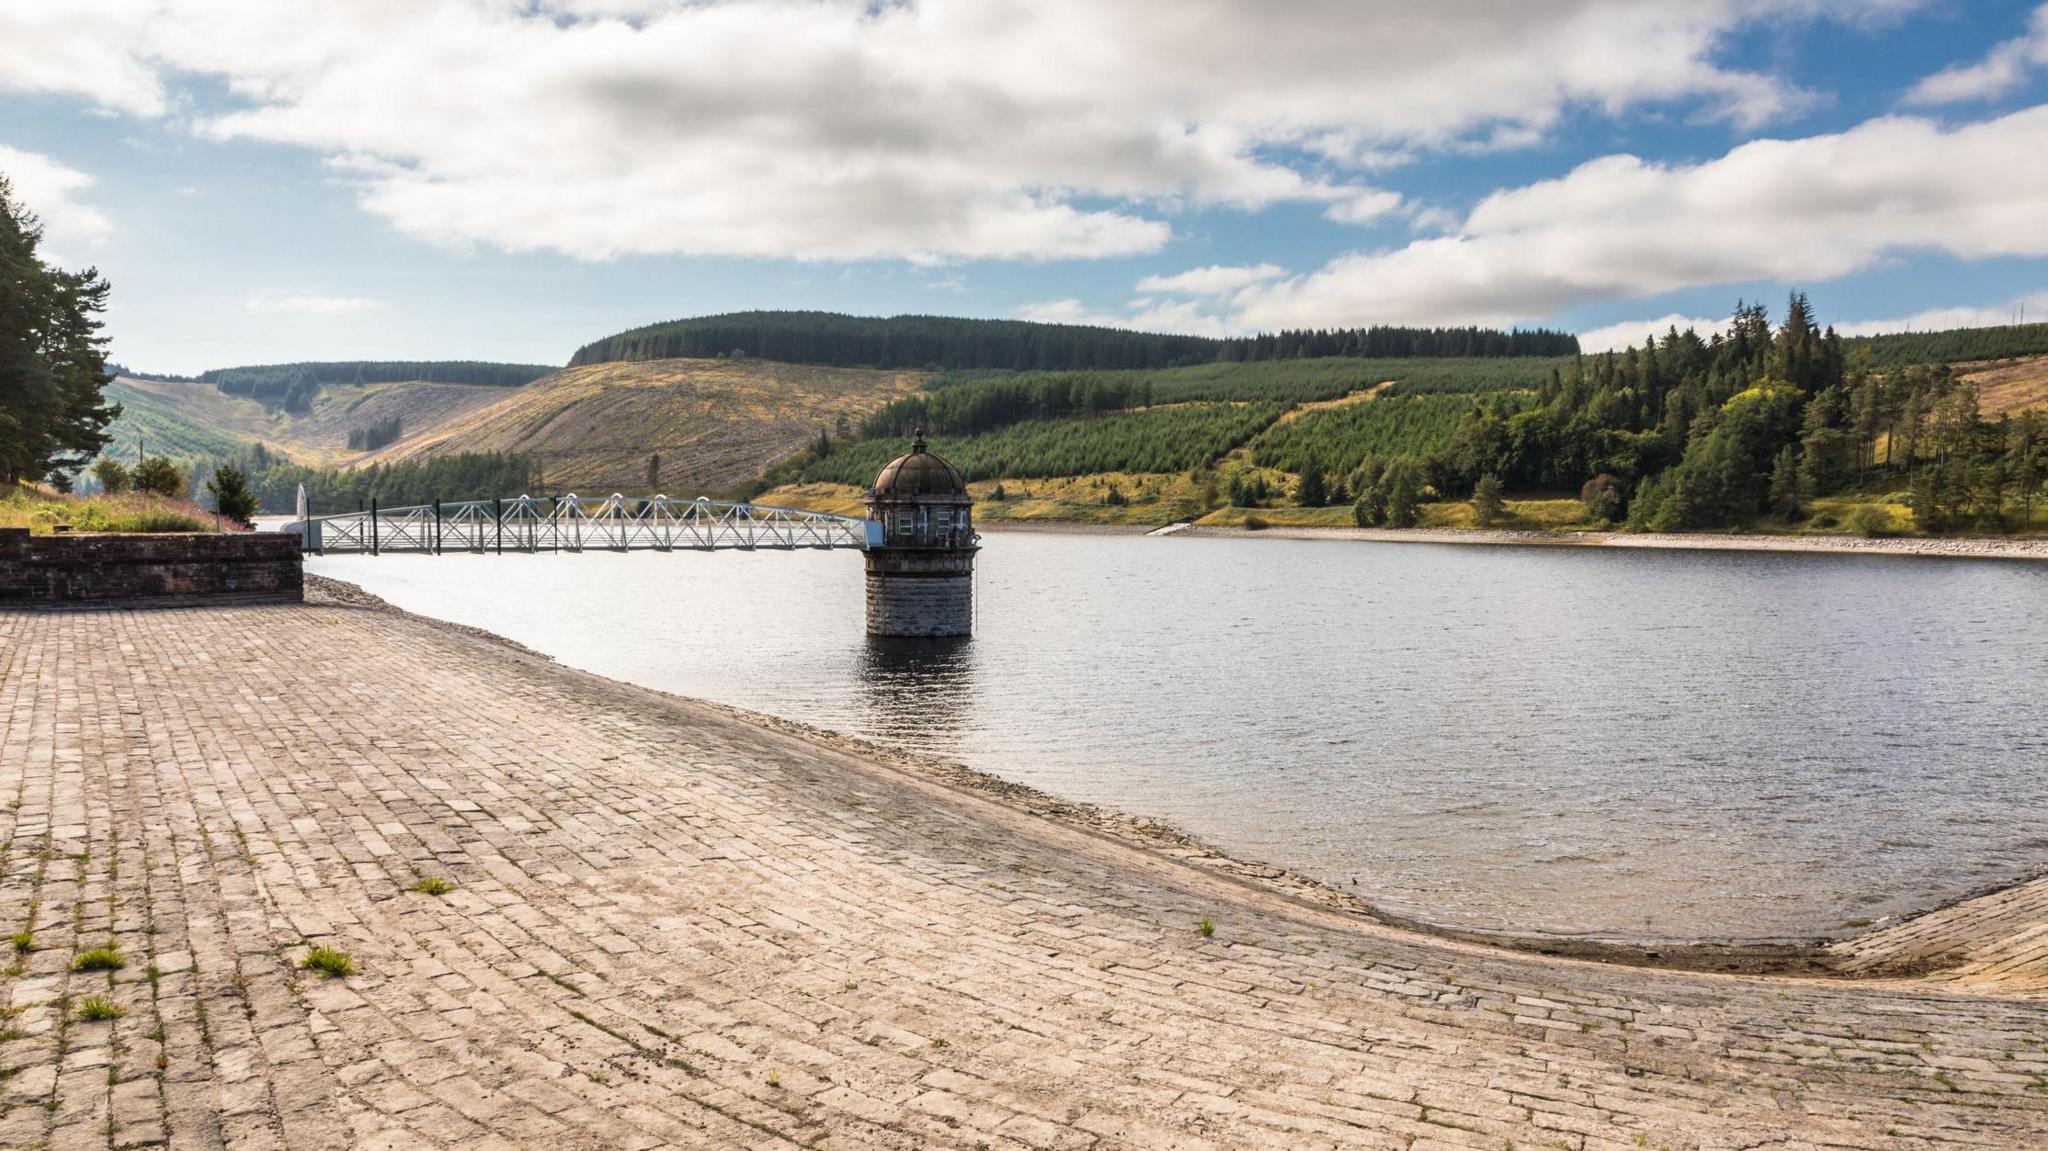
(53, 416)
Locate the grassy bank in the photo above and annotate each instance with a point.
(1154, 500)
(41, 511)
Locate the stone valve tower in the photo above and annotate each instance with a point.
(921, 545)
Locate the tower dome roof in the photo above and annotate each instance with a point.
(920, 475)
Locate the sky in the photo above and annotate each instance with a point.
(279, 180)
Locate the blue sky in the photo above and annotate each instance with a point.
(491, 179)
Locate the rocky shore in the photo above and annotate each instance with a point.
(575, 913)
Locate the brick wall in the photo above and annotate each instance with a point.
(148, 569)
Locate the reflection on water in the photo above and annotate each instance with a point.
(917, 690)
(1647, 744)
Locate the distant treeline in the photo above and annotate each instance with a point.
(980, 407)
(468, 476)
(950, 343)
(1905, 349)
(294, 386)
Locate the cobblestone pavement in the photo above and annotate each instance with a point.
(668, 927)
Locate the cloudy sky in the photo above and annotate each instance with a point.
(505, 179)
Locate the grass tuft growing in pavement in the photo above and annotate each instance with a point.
(329, 962)
(432, 885)
(98, 1009)
(24, 941)
(1206, 926)
(99, 959)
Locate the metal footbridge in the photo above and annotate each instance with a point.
(571, 524)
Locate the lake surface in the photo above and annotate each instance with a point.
(1629, 744)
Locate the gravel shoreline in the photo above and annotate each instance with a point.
(1965, 548)
(1818, 956)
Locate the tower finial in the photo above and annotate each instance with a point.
(917, 440)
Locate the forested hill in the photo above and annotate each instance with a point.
(830, 338)
(1962, 345)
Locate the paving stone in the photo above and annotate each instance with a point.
(673, 927)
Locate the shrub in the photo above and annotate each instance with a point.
(112, 475)
(1871, 521)
(1255, 524)
(1602, 497)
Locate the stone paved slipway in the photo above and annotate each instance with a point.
(673, 928)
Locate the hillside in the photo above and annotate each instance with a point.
(1764, 427)
(190, 419)
(716, 424)
(2009, 385)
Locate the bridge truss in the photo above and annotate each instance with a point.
(570, 523)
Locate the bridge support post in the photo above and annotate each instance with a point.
(373, 526)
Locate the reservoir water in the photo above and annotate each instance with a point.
(1625, 744)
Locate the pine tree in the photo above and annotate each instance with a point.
(53, 416)
(1403, 485)
(231, 495)
(1788, 486)
(1312, 492)
(1487, 505)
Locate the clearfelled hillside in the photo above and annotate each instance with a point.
(716, 424)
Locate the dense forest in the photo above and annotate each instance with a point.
(1747, 425)
(1335, 441)
(1168, 439)
(941, 342)
(293, 387)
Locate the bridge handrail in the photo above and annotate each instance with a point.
(574, 523)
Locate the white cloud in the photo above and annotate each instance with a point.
(1999, 73)
(1214, 280)
(94, 48)
(1966, 316)
(1782, 211)
(314, 305)
(847, 129)
(1364, 208)
(50, 190)
(1145, 315)
(1633, 333)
